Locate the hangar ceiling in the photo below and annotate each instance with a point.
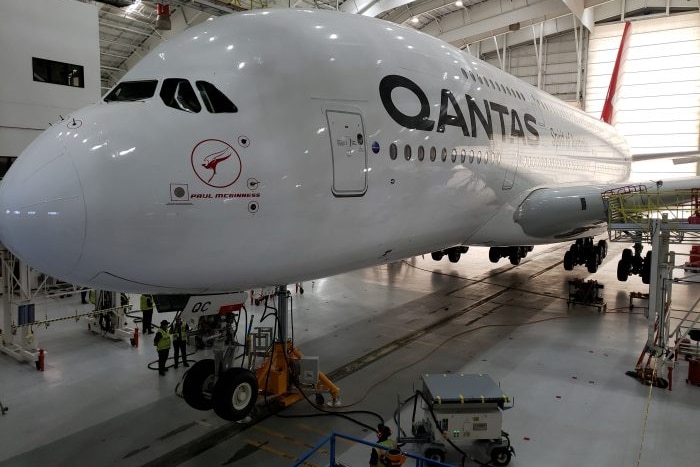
(128, 27)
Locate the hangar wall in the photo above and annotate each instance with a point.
(559, 64)
(658, 99)
(62, 31)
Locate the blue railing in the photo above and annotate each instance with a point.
(331, 440)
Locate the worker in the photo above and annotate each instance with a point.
(179, 333)
(378, 456)
(162, 343)
(147, 310)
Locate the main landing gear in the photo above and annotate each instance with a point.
(587, 253)
(634, 264)
(453, 253)
(513, 253)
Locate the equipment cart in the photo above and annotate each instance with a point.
(459, 407)
(586, 293)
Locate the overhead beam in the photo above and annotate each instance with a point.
(500, 23)
(583, 10)
(358, 6)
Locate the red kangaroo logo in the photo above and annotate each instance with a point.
(212, 160)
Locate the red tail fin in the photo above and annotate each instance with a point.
(607, 113)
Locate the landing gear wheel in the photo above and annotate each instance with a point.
(568, 261)
(199, 380)
(235, 394)
(603, 246)
(574, 249)
(500, 456)
(646, 268)
(627, 254)
(434, 454)
(514, 258)
(623, 269)
(494, 255)
(453, 255)
(598, 251)
(437, 255)
(593, 261)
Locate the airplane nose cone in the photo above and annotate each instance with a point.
(42, 212)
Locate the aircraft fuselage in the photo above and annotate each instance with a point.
(355, 142)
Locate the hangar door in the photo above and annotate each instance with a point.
(347, 135)
(658, 95)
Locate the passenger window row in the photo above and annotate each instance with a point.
(477, 78)
(177, 93)
(463, 155)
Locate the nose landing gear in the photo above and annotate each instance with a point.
(230, 388)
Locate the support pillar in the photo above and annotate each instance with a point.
(659, 286)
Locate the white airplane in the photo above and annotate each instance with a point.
(231, 158)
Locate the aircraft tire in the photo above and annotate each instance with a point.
(453, 255)
(437, 255)
(603, 245)
(514, 258)
(646, 269)
(568, 261)
(592, 263)
(235, 394)
(494, 254)
(622, 270)
(198, 380)
(627, 254)
(574, 249)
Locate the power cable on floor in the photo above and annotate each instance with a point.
(323, 412)
(400, 369)
(646, 416)
(155, 362)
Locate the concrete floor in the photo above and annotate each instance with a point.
(97, 403)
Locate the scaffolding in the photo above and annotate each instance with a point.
(661, 218)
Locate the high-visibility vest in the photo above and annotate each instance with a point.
(146, 302)
(164, 341)
(180, 334)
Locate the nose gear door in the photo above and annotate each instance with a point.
(347, 134)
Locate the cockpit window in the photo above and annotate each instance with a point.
(214, 100)
(130, 91)
(178, 94)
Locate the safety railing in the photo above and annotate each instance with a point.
(330, 440)
(631, 213)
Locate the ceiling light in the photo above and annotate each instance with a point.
(459, 3)
(414, 19)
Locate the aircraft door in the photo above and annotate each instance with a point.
(347, 135)
(512, 170)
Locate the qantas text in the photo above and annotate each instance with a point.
(451, 113)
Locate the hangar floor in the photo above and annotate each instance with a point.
(97, 403)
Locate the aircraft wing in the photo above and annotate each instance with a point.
(681, 157)
(562, 212)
